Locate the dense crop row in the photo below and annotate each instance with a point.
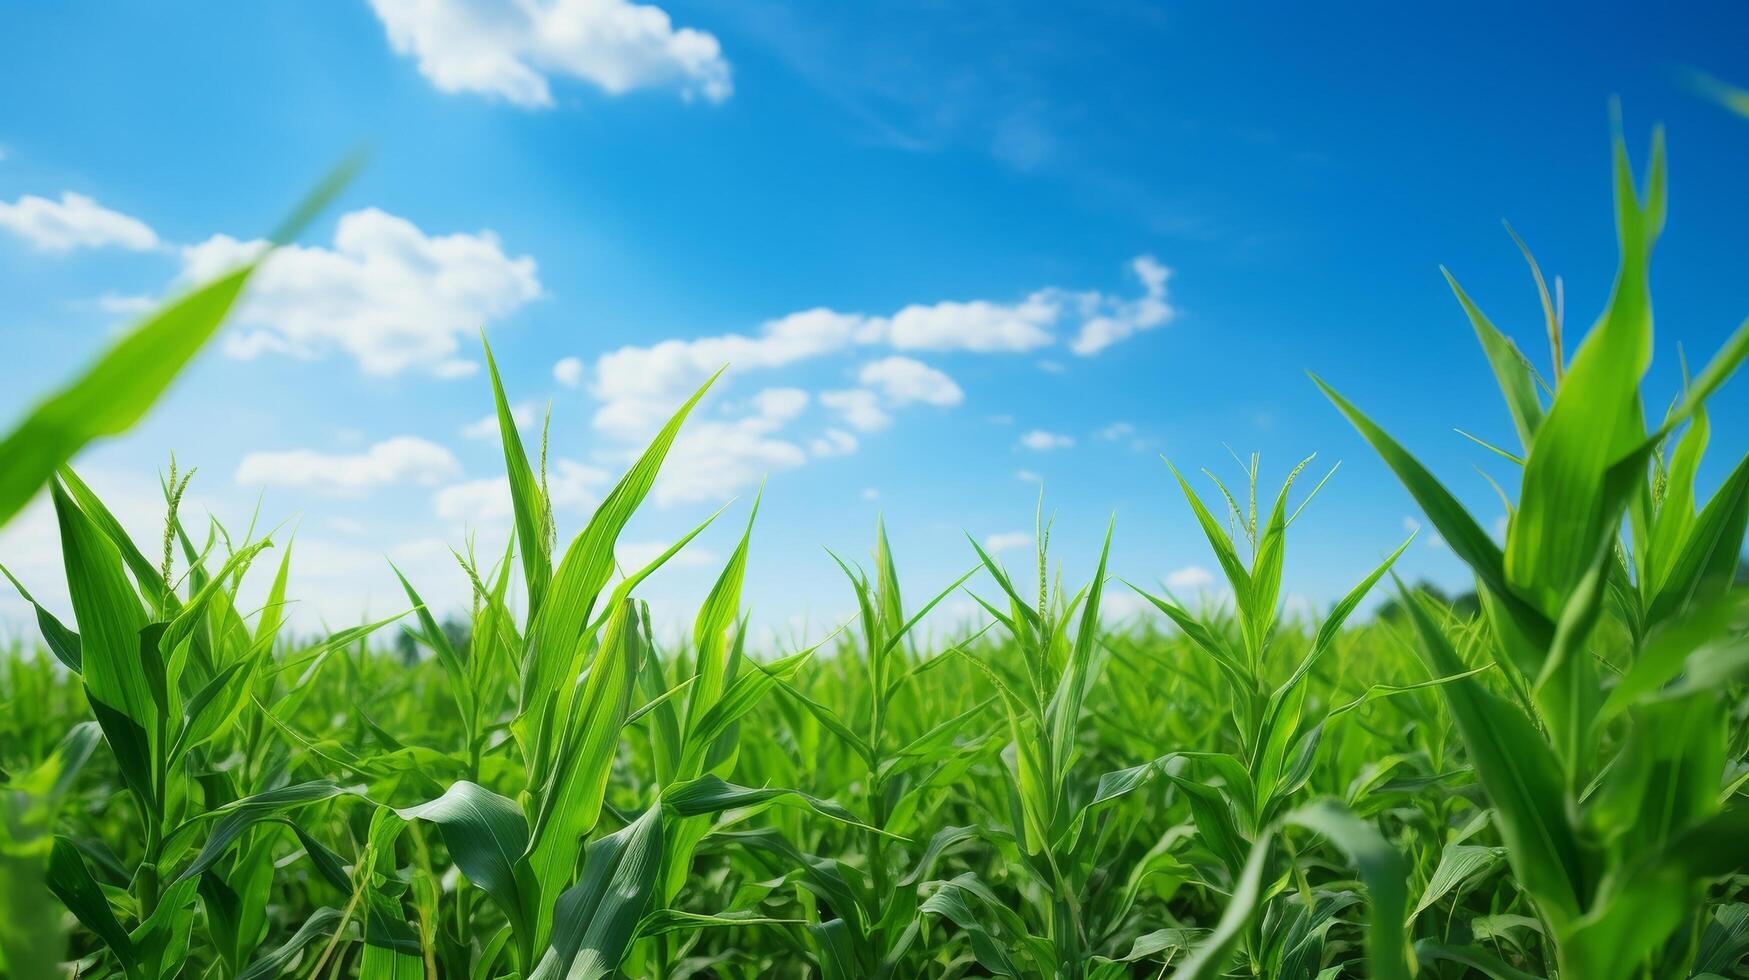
(1553, 786)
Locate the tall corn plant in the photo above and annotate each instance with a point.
(1605, 768)
(169, 666)
(1240, 805)
(106, 400)
(572, 906)
(1056, 808)
(873, 920)
(579, 651)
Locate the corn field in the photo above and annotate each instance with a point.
(1550, 784)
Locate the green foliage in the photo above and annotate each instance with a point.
(1543, 779)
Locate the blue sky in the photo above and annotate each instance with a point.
(951, 251)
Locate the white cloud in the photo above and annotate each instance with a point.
(513, 48)
(386, 293)
(403, 459)
(75, 221)
(979, 325)
(568, 371)
(116, 304)
(572, 485)
(486, 426)
(870, 493)
(903, 381)
(1190, 577)
(834, 442)
(639, 386)
(714, 458)
(1432, 539)
(633, 555)
(1116, 431)
(858, 407)
(1006, 540)
(1039, 441)
(1116, 320)
(1028, 476)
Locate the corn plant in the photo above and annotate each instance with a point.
(1605, 758)
(1545, 778)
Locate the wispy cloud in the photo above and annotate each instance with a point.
(403, 459)
(74, 221)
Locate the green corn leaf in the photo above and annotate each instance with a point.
(1383, 870)
(525, 496)
(109, 614)
(62, 642)
(710, 634)
(1511, 371)
(277, 961)
(1476, 958)
(711, 794)
(596, 919)
(232, 819)
(447, 655)
(71, 881)
(588, 561)
(486, 835)
(1521, 775)
(1562, 516)
(1211, 956)
(1063, 714)
(1466, 538)
(1459, 866)
(570, 803)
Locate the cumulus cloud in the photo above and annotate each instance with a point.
(513, 49)
(711, 459)
(833, 442)
(979, 325)
(386, 293)
(569, 371)
(403, 459)
(117, 304)
(1111, 321)
(858, 407)
(639, 386)
(572, 486)
(486, 426)
(633, 555)
(903, 381)
(1006, 541)
(75, 221)
(1116, 431)
(1039, 441)
(1190, 577)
